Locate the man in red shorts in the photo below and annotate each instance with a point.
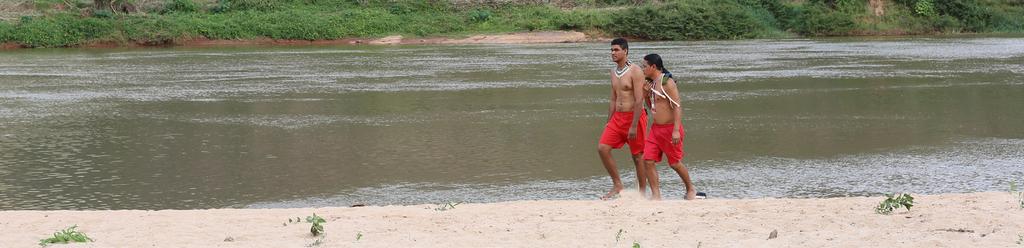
(666, 134)
(626, 118)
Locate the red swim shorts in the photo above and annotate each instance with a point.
(660, 142)
(616, 132)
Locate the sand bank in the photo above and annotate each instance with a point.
(991, 219)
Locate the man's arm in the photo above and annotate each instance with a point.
(677, 113)
(637, 79)
(611, 102)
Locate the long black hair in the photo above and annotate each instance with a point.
(655, 59)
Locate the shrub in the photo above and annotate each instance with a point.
(687, 20)
(479, 15)
(925, 8)
(183, 6)
(6, 32)
(160, 30)
(819, 20)
(59, 31)
(583, 19)
(969, 12)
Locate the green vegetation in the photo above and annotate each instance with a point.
(316, 243)
(894, 202)
(681, 20)
(446, 206)
(1020, 194)
(60, 23)
(318, 228)
(65, 236)
(636, 245)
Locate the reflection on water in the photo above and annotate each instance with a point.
(334, 126)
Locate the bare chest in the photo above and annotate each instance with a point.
(622, 84)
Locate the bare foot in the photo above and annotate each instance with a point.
(691, 194)
(612, 193)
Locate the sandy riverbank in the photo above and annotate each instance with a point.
(952, 220)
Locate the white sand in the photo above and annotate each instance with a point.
(953, 220)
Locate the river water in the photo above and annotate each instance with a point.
(255, 127)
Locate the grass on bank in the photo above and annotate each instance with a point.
(62, 23)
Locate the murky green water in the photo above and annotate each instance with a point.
(335, 126)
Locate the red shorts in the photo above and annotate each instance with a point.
(660, 142)
(616, 132)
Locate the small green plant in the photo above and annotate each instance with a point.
(359, 236)
(316, 243)
(893, 202)
(1020, 194)
(636, 245)
(318, 227)
(447, 206)
(65, 236)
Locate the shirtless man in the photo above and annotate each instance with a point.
(666, 134)
(626, 119)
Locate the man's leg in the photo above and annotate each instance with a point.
(605, 151)
(641, 176)
(652, 177)
(684, 174)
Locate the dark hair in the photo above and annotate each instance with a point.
(621, 42)
(655, 59)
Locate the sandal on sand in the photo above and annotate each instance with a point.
(702, 195)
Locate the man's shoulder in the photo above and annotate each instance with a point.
(635, 70)
(671, 82)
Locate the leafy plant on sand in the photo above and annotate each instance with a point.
(318, 228)
(446, 206)
(636, 245)
(316, 243)
(65, 236)
(1020, 194)
(893, 202)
